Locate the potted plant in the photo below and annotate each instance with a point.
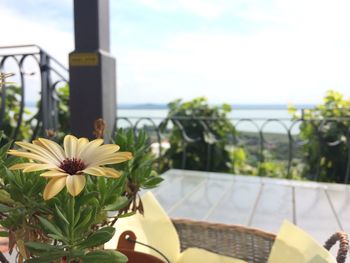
(56, 202)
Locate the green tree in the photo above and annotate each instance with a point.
(325, 128)
(200, 133)
(12, 115)
(63, 111)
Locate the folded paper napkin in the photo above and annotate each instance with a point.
(156, 229)
(293, 245)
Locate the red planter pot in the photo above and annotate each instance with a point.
(126, 245)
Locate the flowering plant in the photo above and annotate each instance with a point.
(55, 201)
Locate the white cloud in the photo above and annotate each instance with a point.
(300, 50)
(269, 67)
(19, 30)
(203, 8)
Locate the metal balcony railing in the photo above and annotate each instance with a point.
(262, 147)
(36, 71)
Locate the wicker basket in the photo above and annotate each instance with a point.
(249, 244)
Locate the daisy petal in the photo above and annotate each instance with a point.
(105, 151)
(70, 146)
(108, 148)
(54, 174)
(51, 146)
(89, 149)
(113, 147)
(81, 143)
(75, 184)
(38, 167)
(20, 166)
(54, 186)
(110, 172)
(118, 157)
(39, 151)
(96, 171)
(29, 155)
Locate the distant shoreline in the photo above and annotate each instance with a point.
(160, 106)
(234, 106)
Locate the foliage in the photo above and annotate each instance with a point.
(66, 227)
(238, 163)
(196, 138)
(139, 172)
(63, 111)
(12, 115)
(326, 130)
(25, 132)
(271, 169)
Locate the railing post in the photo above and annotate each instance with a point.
(46, 93)
(347, 173)
(290, 154)
(316, 176)
(2, 95)
(261, 150)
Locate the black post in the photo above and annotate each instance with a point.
(92, 69)
(45, 109)
(46, 94)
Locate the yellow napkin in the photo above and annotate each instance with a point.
(156, 229)
(293, 245)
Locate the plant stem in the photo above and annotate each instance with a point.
(72, 219)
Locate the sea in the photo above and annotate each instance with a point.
(247, 118)
(271, 118)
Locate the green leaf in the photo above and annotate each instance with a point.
(40, 247)
(127, 214)
(59, 213)
(10, 176)
(152, 182)
(110, 256)
(4, 208)
(100, 237)
(102, 188)
(4, 234)
(86, 198)
(48, 257)
(70, 209)
(77, 217)
(4, 149)
(58, 237)
(84, 220)
(49, 227)
(226, 107)
(121, 202)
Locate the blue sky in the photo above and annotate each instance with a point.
(242, 51)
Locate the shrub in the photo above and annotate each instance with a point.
(325, 128)
(12, 114)
(200, 133)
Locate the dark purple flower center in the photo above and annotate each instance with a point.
(72, 166)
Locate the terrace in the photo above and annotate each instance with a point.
(230, 198)
(268, 173)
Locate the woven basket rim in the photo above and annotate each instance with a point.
(223, 226)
